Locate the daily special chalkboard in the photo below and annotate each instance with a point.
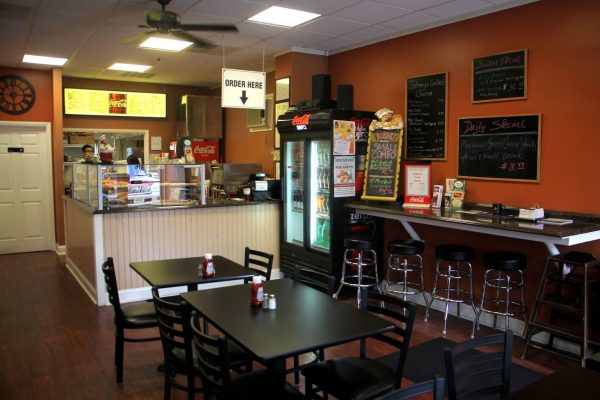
(426, 117)
(502, 147)
(500, 77)
(383, 164)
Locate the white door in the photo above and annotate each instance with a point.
(26, 204)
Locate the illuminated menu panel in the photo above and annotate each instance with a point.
(115, 104)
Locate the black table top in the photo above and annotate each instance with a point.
(305, 319)
(184, 271)
(572, 382)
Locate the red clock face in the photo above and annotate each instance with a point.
(17, 95)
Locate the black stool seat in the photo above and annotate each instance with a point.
(406, 247)
(505, 261)
(454, 252)
(577, 257)
(357, 242)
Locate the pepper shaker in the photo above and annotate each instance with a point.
(266, 301)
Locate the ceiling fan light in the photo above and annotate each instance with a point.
(29, 58)
(156, 43)
(129, 67)
(282, 16)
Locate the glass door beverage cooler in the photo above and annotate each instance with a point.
(322, 162)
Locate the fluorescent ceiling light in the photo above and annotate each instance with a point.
(283, 16)
(165, 44)
(28, 58)
(129, 67)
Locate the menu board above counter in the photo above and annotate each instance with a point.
(114, 103)
(500, 77)
(500, 147)
(426, 117)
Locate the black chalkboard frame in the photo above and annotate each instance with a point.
(523, 68)
(461, 135)
(443, 156)
(392, 179)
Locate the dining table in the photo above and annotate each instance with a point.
(305, 320)
(571, 382)
(186, 272)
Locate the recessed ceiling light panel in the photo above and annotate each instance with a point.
(28, 58)
(157, 43)
(282, 16)
(129, 67)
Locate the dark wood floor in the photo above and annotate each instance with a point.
(56, 344)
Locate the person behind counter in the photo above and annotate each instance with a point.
(88, 154)
(106, 151)
(134, 167)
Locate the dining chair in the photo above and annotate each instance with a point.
(319, 281)
(128, 316)
(259, 262)
(176, 335)
(361, 378)
(475, 373)
(177, 346)
(435, 387)
(215, 371)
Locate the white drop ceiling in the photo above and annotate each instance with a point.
(94, 34)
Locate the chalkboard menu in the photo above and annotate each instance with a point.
(426, 117)
(383, 164)
(502, 147)
(500, 77)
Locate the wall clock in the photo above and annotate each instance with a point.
(17, 94)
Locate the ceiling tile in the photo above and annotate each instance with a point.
(458, 7)
(340, 43)
(332, 26)
(372, 32)
(408, 23)
(414, 5)
(319, 6)
(236, 9)
(371, 12)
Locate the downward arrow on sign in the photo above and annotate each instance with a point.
(243, 98)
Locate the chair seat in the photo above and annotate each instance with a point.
(504, 261)
(406, 247)
(454, 252)
(351, 377)
(139, 315)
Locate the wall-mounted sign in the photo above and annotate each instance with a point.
(114, 103)
(243, 89)
(205, 151)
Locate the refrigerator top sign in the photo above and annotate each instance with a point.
(301, 122)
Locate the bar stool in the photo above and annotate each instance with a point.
(405, 259)
(452, 266)
(504, 273)
(564, 290)
(359, 268)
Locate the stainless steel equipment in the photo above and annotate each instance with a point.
(224, 175)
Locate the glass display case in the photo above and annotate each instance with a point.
(105, 187)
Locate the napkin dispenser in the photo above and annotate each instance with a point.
(531, 214)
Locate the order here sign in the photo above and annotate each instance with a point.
(243, 89)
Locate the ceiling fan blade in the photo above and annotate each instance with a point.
(209, 27)
(191, 38)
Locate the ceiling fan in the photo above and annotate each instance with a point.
(168, 22)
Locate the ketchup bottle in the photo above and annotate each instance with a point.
(256, 291)
(208, 268)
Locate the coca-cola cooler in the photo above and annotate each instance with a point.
(322, 165)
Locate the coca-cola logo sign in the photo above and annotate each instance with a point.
(301, 119)
(205, 151)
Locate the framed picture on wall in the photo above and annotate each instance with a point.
(280, 109)
(282, 89)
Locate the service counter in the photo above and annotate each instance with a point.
(176, 226)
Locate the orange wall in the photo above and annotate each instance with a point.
(562, 39)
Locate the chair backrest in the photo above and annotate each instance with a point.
(402, 313)
(479, 367)
(259, 262)
(110, 280)
(213, 362)
(434, 386)
(315, 279)
(175, 332)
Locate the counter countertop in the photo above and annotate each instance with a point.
(482, 217)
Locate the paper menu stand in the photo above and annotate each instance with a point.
(437, 196)
(531, 214)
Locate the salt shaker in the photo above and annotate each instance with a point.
(272, 302)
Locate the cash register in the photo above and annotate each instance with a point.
(263, 188)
